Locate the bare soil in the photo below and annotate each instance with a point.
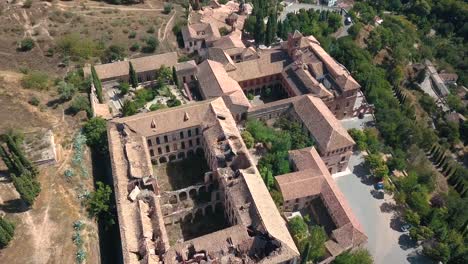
(48, 22)
(44, 232)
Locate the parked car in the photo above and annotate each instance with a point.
(348, 21)
(379, 185)
(405, 227)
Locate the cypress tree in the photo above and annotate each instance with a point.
(7, 160)
(279, 29)
(174, 76)
(259, 30)
(97, 84)
(8, 226)
(14, 149)
(4, 238)
(269, 31)
(305, 253)
(133, 76)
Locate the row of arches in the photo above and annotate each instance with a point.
(196, 213)
(180, 155)
(203, 191)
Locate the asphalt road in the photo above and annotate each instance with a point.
(386, 243)
(298, 6)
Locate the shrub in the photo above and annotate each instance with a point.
(248, 138)
(223, 31)
(35, 80)
(77, 79)
(78, 47)
(167, 8)
(34, 101)
(26, 44)
(66, 90)
(129, 108)
(173, 102)
(27, 4)
(132, 35)
(150, 30)
(151, 45)
(135, 47)
(250, 96)
(80, 103)
(113, 53)
(124, 87)
(155, 107)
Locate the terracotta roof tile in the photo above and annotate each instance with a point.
(142, 64)
(323, 125)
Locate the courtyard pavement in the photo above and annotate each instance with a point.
(386, 243)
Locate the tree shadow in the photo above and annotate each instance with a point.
(377, 194)
(362, 172)
(54, 103)
(406, 242)
(14, 206)
(396, 222)
(387, 207)
(416, 257)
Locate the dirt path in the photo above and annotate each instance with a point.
(169, 23)
(121, 8)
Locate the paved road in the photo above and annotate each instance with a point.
(297, 6)
(386, 243)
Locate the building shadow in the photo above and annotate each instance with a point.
(14, 206)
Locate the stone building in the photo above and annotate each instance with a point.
(256, 232)
(298, 66)
(318, 92)
(311, 186)
(145, 68)
(199, 36)
(334, 143)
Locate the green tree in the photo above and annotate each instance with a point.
(95, 131)
(438, 251)
(305, 254)
(354, 30)
(412, 217)
(259, 31)
(113, 53)
(132, 76)
(124, 87)
(97, 84)
(359, 256)
(248, 138)
(151, 45)
(174, 76)
(129, 108)
(66, 90)
(80, 103)
(317, 240)
(270, 32)
(7, 231)
(164, 73)
(298, 228)
(418, 233)
(99, 203)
